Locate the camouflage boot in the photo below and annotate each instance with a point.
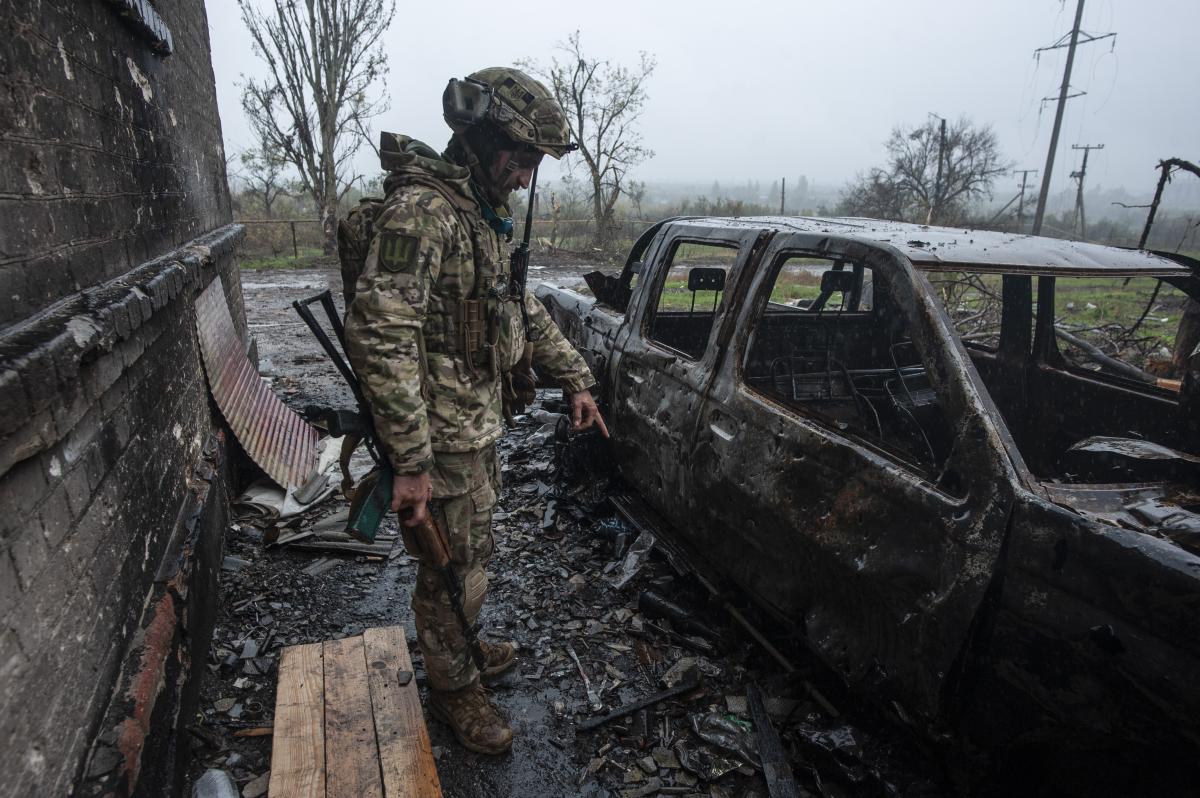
(500, 657)
(475, 722)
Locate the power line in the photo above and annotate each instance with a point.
(1079, 177)
(1024, 173)
(1074, 40)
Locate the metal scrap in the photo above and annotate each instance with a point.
(281, 442)
(776, 769)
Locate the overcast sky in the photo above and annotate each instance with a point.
(764, 90)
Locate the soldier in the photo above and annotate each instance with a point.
(434, 324)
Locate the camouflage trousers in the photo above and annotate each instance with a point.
(465, 489)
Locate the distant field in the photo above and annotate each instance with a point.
(1097, 309)
(310, 258)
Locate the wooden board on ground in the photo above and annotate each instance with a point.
(405, 753)
(349, 728)
(298, 747)
(344, 725)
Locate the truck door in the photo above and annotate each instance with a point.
(666, 354)
(852, 467)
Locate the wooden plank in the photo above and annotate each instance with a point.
(350, 748)
(298, 748)
(405, 754)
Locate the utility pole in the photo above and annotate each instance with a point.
(1079, 176)
(1025, 173)
(782, 195)
(935, 201)
(1062, 105)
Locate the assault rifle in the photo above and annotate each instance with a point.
(373, 496)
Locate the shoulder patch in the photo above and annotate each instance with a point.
(397, 251)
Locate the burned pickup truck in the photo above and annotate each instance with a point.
(996, 541)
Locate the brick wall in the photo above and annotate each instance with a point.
(114, 215)
(110, 154)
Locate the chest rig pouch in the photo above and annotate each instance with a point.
(490, 327)
(485, 329)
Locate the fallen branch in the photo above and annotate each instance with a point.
(1105, 361)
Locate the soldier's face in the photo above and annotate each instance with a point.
(513, 170)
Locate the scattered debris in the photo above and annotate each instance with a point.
(641, 703)
(704, 762)
(775, 767)
(634, 558)
(594, 702)
(257, 787)
(214, 784)
(656, 605)
(730, 734)
(257, 731)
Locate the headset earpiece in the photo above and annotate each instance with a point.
(466, 101)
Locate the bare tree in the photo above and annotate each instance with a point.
(874, 195)
(603, 102)
(637, 195)
(262, 174)
(311, 107)
(934, 172)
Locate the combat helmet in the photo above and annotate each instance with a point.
(519, 106)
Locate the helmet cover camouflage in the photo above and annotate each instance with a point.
(522, 108)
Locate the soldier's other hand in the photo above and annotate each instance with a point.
(411, 491)
(584, 413)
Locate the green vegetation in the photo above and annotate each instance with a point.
(789, 289)
(1098, 301)
(310, 258)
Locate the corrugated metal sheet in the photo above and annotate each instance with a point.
(281, 442)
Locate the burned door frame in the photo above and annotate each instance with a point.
(656, 391)
(884, 572)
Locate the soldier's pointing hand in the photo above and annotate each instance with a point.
(584, 413)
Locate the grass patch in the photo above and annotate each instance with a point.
(310, 258)
(1097, 301)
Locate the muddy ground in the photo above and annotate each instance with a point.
(552, 592)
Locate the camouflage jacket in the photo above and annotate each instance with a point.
(431, 250)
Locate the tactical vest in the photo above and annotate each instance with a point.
(485, 329)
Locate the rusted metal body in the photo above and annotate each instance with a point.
(278, 440)
(1006, 588)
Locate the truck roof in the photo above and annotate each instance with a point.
(959, 249)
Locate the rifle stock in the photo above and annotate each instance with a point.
(430, 541)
